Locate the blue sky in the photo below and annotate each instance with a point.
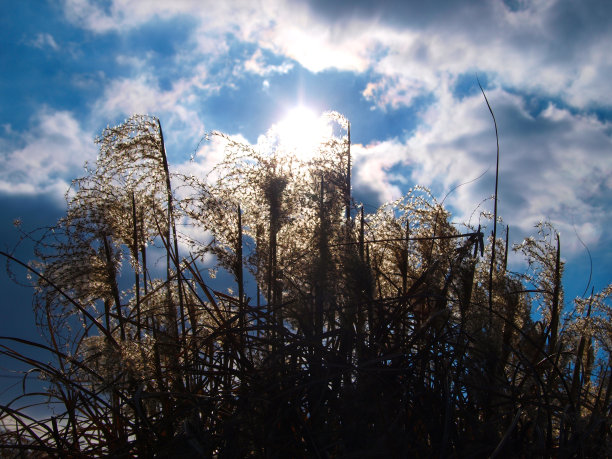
(403, 72)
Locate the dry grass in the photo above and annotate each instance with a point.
(384, 335)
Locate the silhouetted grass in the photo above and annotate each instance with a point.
(383, 335)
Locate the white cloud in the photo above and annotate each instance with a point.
(317, 46)
(554, 165)
(52, 152)
(89, 15)
(135, 95)
(256, 64)
(121, 15)
(408, 45)
(371, 164)
(142, 94)
(44, 40)
(533, 49)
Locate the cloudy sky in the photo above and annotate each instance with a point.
(403, 72)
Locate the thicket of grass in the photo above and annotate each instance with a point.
(391, 334)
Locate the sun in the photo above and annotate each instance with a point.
(302, 131)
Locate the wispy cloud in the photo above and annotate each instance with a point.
(177, 104)
(257, 65)
(43, 41)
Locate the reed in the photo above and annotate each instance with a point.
(395, 335)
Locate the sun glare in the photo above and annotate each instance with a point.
(301, 132)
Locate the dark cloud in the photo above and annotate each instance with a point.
(397, 13)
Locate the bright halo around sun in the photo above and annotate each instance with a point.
(301, 132)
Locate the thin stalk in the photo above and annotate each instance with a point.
(143, 256)
(554, 320)
(347, 193)
(576, 382)
(134, 250)
(111, 270)
(320, 276)
(361, 237)
(171, 225)
(506, 250)
(240, 281)
(405, 261)
(494, 208)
